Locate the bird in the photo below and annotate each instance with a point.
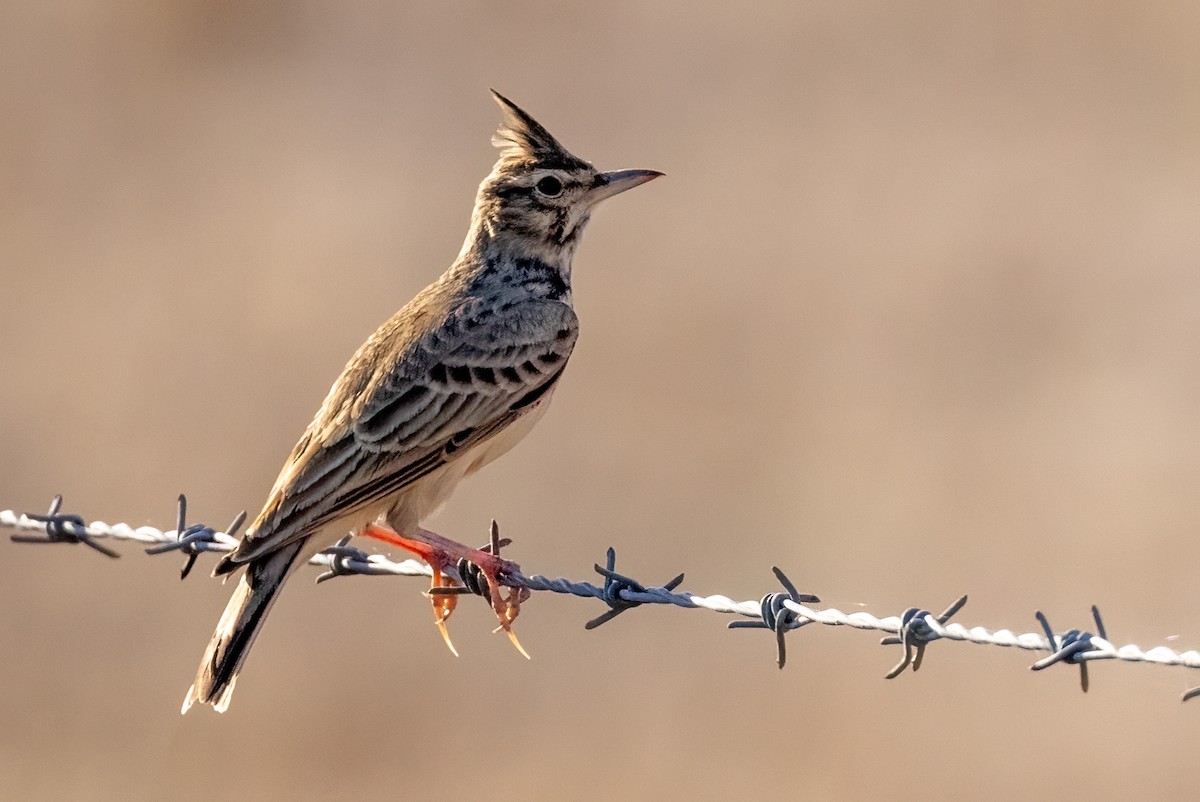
(449, 383)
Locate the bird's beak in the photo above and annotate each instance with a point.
(616, 182)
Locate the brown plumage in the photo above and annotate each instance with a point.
(448, 384)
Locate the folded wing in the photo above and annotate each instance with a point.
(430, 403)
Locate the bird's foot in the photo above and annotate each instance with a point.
(482, 572)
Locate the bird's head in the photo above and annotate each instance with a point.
(539, 196)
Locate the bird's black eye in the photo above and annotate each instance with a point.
(550, 186)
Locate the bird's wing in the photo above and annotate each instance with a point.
(395, 417)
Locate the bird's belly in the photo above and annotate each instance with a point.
(502, 442)
(422, 498)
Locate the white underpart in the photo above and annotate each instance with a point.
(423, 497)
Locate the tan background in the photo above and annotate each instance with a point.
(915, 312)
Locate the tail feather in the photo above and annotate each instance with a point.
(239, 626)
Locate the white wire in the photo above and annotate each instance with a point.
(381, 565)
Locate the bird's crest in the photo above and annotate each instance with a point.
(521, 138)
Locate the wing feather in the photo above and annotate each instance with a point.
(434, 400)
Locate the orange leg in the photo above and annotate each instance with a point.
(442, 553)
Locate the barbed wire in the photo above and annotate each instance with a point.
(780, 611)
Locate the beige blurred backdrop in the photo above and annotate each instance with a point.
(916, 312)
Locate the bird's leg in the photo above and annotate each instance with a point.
(443, 603)
(442, 553)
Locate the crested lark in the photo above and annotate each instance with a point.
(448, 384)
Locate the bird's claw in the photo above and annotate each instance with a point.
(482, 572)
(507, 609)
(443, 606)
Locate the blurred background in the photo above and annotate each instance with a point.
(916, 312)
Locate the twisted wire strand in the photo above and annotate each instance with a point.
(375, 565)
(915, 629)
(381, 565)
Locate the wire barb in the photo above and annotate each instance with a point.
(196, 539)
(615, 585)
(474, 580)
(1074, 647)
(342, 558)
(63, 528)
(916, 632)
(776, 616)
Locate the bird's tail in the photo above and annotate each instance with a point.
(239, 626)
